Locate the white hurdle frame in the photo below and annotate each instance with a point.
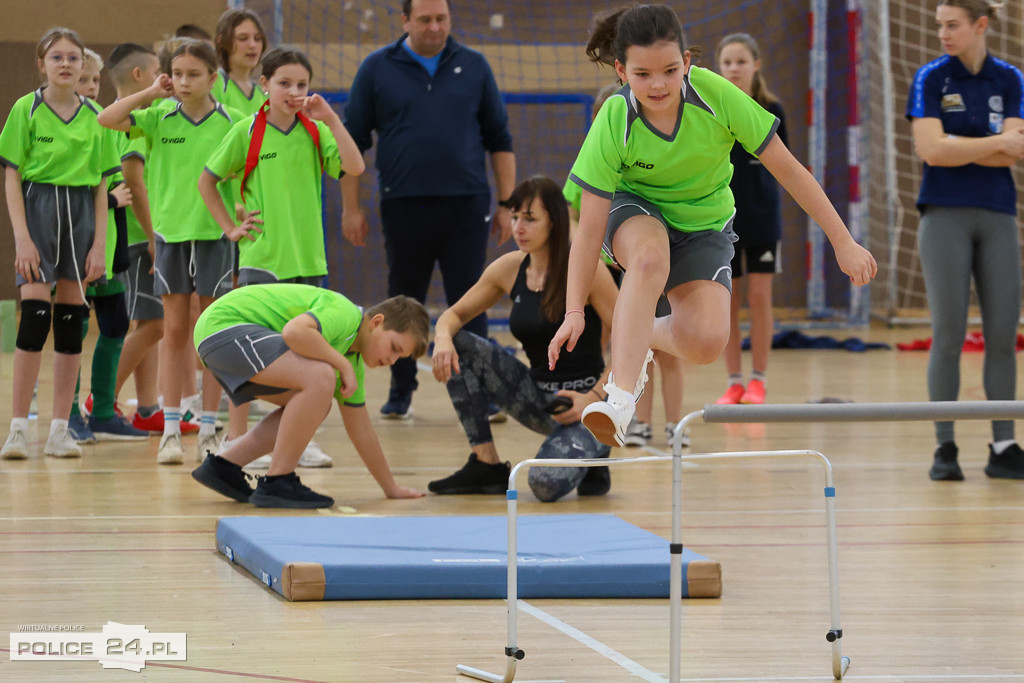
(836, 412)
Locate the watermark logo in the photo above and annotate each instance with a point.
(119, 646)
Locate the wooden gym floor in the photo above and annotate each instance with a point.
(931, 574)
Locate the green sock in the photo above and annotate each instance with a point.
(104, 375)
(75, 410)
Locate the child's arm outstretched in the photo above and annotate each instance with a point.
(352, 163)
(118, 115)
(854, 260)
(584, 258)
(360, 432)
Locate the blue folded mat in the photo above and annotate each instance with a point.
(401, 558)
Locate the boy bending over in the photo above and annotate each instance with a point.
(298, 346)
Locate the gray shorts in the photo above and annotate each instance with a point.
(62, 223)
(236, 354)
(200, 266)
(703, 255)
(139, 284)
(259, 276)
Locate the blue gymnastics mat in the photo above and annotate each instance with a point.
(401, 558)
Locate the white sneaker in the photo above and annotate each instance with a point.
(260, 463)
(314, 456)
(608, 420)
(641, 381)
(670, 430)
(170, 451)
(206, 443)
(637, 433)
(16, 446)
(60, 444)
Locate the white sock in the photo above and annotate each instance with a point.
(54, 424)
(172, 420)
(19, 424)
(999, 446)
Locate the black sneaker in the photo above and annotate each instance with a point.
(474, 477)
(224, 477)
(398, 407)
(596, 482)
(287, 491)
(1007, 465)
(945, 467)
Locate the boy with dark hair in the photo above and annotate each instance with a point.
(297, 346)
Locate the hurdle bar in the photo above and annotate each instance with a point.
(833, 412)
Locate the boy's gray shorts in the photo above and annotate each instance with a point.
(62, 223)
(200, 266)
(140, 284)
(237, 353)
(704, 255)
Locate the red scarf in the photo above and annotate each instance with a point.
(256, 141)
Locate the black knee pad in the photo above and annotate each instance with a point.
(34, 326)
(67, 327)
(112, 315)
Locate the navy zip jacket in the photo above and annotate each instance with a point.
(433, 134)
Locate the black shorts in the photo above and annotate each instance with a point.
(762, 259)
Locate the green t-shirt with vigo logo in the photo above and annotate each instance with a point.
(272, 306)
(227, 92)
(44, 148)
(177, 149)
(285, 188)
(686, 174)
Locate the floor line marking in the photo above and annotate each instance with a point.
(591, 642)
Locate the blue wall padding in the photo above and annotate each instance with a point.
(395, 558)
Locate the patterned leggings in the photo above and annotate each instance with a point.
(490, 375)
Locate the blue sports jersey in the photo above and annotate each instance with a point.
(974, 106)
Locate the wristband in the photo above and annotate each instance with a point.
(505, 203)
(575, 310)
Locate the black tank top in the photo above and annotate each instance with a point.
(578, 370)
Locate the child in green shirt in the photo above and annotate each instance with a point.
(192, 254)
(56, 159)
(655, 172)
(297, 346)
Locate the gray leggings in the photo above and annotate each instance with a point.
(491, 375)
(957, 243)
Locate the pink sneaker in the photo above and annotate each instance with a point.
(731, 396)
(754, 393)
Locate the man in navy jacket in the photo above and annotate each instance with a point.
(437, 111)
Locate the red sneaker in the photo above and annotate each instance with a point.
(154, 424)
(754, 393)
(731, 396)
(88, 407)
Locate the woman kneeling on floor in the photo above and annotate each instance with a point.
(546, 401)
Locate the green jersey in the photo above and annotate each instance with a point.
(177, 147)
(45, 148)
(686, 174)
(285, 188)
(227, 92)
(272, 306)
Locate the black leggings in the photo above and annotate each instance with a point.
(491, 375)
